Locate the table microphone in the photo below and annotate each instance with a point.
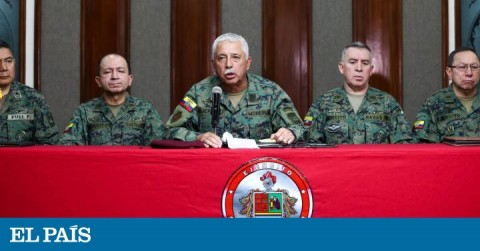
(216, 95)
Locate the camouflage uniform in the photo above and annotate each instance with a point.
(137, 123)
(443, 114)
(263, 109)
(379, 119)
(26, 117)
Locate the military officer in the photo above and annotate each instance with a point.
(455, 110)
(250, 106)
(357, 113)
(25, 116)
(115, 118)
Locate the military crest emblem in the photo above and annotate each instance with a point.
(267, 188)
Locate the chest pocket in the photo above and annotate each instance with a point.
(448, 124)
(336, 128)
(133, 132)
(99, 133)
(21, 126)
(260, 123)
(205, 117)
(377, 128)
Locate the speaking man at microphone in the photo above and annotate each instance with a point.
(249, 106)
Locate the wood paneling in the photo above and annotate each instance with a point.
(37, 46)
(379, 24)
(445, 45)
(287, 36)
(105, 28)
(446, 35)
(194, 27)
(21, 39)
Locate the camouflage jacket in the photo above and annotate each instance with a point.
(137, 123)
(379, 119)
(443, 114)
(263, 109)
(26, 117)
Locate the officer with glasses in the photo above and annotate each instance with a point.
(455, 110)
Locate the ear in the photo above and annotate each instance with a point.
(249, 61)
(371, 70)
(449, 72)
(130, 80)
(341, 67)
(98, 81)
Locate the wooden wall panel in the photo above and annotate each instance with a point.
(21, 38)
(379, 24)
(37, 46)
(446, 35)
(287, 36)
(444, 41)
(105, 28)
(194, 27)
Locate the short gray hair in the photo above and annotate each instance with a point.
(356, 44)
(231, 37)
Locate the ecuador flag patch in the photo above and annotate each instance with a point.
(188, 104)
(419, 124)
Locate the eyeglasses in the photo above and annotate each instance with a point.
(7, 61)
(463, 68)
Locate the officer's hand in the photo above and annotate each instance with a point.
(210, 139)
(283, 136)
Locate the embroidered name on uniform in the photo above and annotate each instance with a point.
(449, 116)
(21, 116)
(375, 116)
(336, 117)
(259, 113)
(135, 124)
(98, 125)
(204, 110)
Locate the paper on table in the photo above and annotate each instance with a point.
(235, 143)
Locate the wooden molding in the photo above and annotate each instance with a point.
(105, 28)
(287, 48)
(378, 23)
(21, 39)
(445, 35)
(194, 27)
(37, 71)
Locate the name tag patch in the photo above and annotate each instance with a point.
(377, 116)
(21, 116)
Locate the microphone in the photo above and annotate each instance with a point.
(216, 93)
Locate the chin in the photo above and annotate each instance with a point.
(3, 82)
(230, 81)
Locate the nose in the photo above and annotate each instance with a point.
(114, 74)
(469, 70)
(229, 62)
(358, 66)
(3, 66)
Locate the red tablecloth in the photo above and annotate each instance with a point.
(347, 181)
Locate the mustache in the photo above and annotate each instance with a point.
(228, 71)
